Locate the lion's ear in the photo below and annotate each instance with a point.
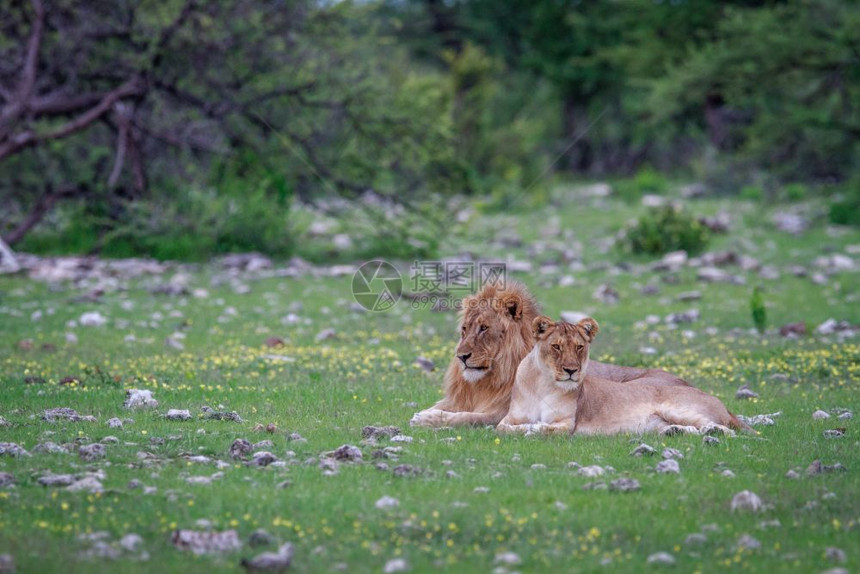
(541, 326)
(513, 305)
(590, 327)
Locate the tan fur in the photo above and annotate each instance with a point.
(508, 314)
(555, 392)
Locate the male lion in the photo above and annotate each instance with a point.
(495, 334)
(555, 392)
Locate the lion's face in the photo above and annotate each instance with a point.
(563, 348)
(485, 331)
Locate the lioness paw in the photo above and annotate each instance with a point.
(429, 418)
(713, 429)
(672, 430)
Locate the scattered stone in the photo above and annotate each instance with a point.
(728, 473)
(402, 438)
(716, 275)
(139, 398)
(56, 480)
(747, 542)
(538, 466)
(509, 558)
(425, 364)
(695, 539)
(596, 485)
(209, 542)
(6, 479)
(643, 450)
(591, 471)
(792, 474)
(406, 470)
(746, 500)
(284, 484)
(668, 466)
(835, 554)
(262, 458)
(214, 415)
(131, 542)
(178, 415)
(12, 449)
(662, 558)
(793, 329)
(606, 294)
(270, 561)
(380, 432)
(61, 413)
(296, 437)
(625, 485)
(790, 222)
(326, 334)
(275, 342)
(8, 264)
(87, 484)
(573, 316)
(260, 537)
(820, 415)
(92, 452)
(710, 440)
(92, 319)
(329, 466)
(51, 448)
(744, 392)
(672, 453)
(347, 453)
(260, 445)
(114, 423)
(683, 317)
(760, 420)
(396, 565)
(689, 296)
(387, 502)
(240, 448)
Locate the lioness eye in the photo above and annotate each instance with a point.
(483, 328)
(579, 347)
(557, 347)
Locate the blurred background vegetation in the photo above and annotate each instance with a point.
(181, 129)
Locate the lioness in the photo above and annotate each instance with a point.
(555, 392)
(495, 334)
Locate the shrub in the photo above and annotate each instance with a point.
(845, 209)
(665, 229)
(646, 181)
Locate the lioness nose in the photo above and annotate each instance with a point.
(465, 357)
(570, 371)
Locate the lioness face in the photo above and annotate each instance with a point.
(563, 348)
(483, 333)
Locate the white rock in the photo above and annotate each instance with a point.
(668, 466)
(139, 398)
(92, 319)
(820, 415)
(510, 558)
(573, 316)
(396, 565)
(746, 500)
(661, 558)
(387, 502)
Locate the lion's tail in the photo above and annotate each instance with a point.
(736, 424)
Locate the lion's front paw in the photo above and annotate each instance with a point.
(672, 430)
(429, 418)
(535, 428)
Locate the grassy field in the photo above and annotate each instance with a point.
(467, 499)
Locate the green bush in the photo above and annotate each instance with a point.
(752, 192)
(665, 229)
(795, 191)
(646, 181)
(845, 209)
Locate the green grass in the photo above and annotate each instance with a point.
(366, 376)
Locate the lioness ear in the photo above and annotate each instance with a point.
(590, 327)
(513, 305)
(541, 326)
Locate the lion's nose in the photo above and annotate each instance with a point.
(570, 371)
(465, 357)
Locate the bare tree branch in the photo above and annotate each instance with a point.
(30, 138)
(40, 210)
(31, 61)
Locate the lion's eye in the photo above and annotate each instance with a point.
(579, 347)
(557, 347)
(483, 328)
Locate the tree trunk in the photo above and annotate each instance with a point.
(579, 156)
